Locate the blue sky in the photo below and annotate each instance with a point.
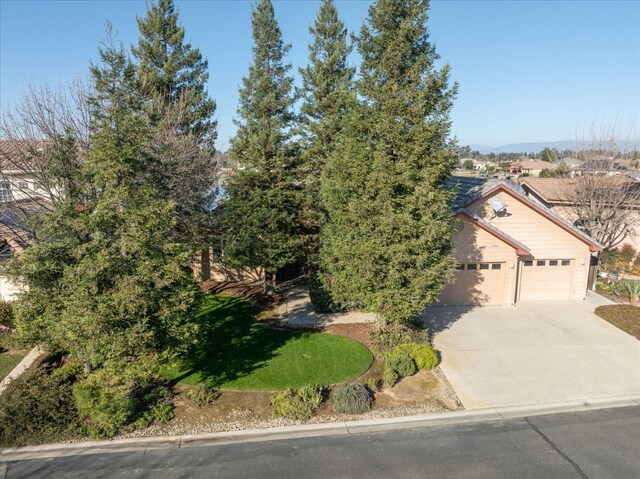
(528, 70)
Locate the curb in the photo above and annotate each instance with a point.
(313, 430)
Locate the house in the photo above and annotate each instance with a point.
(530, 167)
(557, 194)
(510, 248)
(602, 166)
(19, 179)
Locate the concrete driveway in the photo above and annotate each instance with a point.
(533, 353)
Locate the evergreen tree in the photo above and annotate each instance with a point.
(173, 73)
(263, 209)
(105, 284)
(172, 76)
(327, 84)
(387, 243)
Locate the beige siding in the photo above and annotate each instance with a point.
(8, 290)
(544, 238)
(475, 245)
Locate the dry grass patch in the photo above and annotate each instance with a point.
(622, 316)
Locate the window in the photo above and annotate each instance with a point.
(553, 262)
(541, 263)
(5, 191)
(566, 262)
(460, 266)
(472, 266)
(528, 263)
(496, 266)
(484, 266)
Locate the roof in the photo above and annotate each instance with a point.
(520, 248)
(532, 165)
(469, 190)
(561, 190)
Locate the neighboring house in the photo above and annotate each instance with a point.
(556, 194)
(530, 167)
(602, 166)
(18, 181)
(509, 248)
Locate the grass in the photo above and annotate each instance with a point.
(623, 316)
(236, 352)
(8, 361)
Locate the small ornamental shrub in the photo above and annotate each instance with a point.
(301, 403)
(390, 378)
(422, 354)
(69, 372)
(355, 398)
(401, 362)
(386, 337)
(160, 412)
(105, 403)
(320, 297)
(204, 395)
(6, 314)
(374, 384)
(37, 408)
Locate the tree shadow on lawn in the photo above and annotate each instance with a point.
(233, 345)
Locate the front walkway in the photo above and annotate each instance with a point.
(533, 353)
(297, 310)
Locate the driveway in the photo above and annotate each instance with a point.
(533, 353)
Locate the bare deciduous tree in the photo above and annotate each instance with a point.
(603, 198)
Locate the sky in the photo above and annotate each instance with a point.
(528, 71)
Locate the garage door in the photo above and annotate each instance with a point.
(546, 279)
(476, 283)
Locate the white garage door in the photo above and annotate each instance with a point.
(476, 283)
(546, 279)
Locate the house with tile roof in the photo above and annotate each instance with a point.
(510, 248)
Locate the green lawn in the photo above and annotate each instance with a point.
(8, 362)
(238, 353)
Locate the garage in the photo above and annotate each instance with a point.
(476, 283)
(546, 279)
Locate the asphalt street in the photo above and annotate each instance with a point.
(597, 444)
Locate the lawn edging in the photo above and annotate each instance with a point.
(22, 366)
(313, 430)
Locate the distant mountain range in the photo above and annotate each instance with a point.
(525, 147)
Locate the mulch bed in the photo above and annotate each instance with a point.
(622, 316)
(358, 331)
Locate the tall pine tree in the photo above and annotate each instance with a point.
(387, 244)
(327, 83)
(263, 209)
(172, 77)
(105, 283)
(172, 72)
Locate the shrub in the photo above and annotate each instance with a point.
(37, 408)
(161, 411)
(105, 403)
(422, 354)
(388, 336)
(355, 398)
(301, 403)
(204, 395)
(374, 384)
(401, 362)
(320, 297)
(6, 314)
(390, 377)
(69, 372)
(608, 259)
(9, 341)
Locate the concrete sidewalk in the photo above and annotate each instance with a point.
(297, 310)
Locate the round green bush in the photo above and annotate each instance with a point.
(355, 398)
(390, 377)
(300, 404)
(401, 362)
(423, 355)
(6, 314)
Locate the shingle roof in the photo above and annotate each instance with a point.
(469, 189)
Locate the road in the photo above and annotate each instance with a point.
(597, 444)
